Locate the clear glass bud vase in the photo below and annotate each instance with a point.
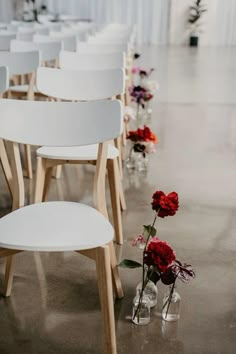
(151, 291)
(141, 309)
(141, 161)
(171, 305)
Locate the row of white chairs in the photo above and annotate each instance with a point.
(71, 132)
(69, 38)
(62, 226)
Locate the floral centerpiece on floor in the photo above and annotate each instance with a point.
(159, 259)
(143, 142)
(143, 89)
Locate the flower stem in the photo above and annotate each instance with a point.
(144, 279)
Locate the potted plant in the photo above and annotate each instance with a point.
(196, 11)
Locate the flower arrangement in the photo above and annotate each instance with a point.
(144, 140)
(140, 95)
(142, 72)
(159, 259)
(143, 89)
(129, 114)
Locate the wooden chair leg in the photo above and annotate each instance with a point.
(40, 179)
(118, 146)
(106, 298)
(47, 183)
(6, 166)
(29, 171)
(58, 171)
(122, 197)
(117, 286)
(9, 273)
(114, 184)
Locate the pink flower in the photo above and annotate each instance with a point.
(135, 70)
(138, 240)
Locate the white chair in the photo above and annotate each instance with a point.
(91, 48)
(63, 226)
(69, 40)
(25, 34)
(81, 61)
(49, 51)
(22, 64)
(83, 86)
(4, 83)
(5, 40)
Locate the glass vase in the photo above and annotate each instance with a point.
(171, 305)
(151, 291)
(141, 309)
(141, 161)
(131, 159)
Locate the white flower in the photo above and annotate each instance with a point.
(152, 86)
(150, 148)
(129, 113)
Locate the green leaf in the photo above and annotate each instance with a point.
(149, 230)
(128, 263)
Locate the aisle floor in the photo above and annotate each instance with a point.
(54, 307)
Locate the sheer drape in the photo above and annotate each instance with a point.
(224, 27)
(151, 16)
(6, 10)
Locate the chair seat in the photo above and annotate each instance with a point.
(88, 152)
(55, 226)
(21, 88)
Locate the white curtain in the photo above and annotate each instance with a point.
(6, 10)
(151, 16)
(224, 26)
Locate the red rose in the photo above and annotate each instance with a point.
(159, 254)
(165, 205)
(142, 135)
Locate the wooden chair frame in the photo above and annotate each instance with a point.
(104, 256)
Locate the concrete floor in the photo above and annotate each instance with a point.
(54, 307)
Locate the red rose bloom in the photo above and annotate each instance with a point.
(142, 135)
(159, 254)
(165, 205)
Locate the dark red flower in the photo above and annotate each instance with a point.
(159, 254)
(165, 205)
(142, 135)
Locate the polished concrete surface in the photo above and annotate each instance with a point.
(54, 307)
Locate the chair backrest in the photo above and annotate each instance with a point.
(60, 123)
(80, 85)
(42, 30)
(49, 50)
(25, 33)
(20, 63)
(101, 48)
(97, 61)
(5, 40)
(69, 40)
(4, 79)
